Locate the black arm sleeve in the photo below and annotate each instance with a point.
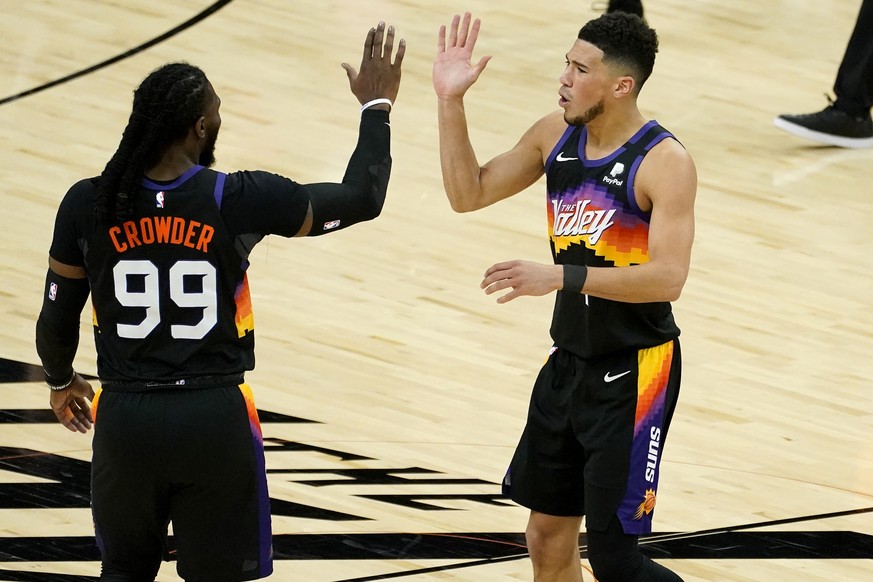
(57, 329)
(361, 194)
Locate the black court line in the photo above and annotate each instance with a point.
(643, 542)
(148, 44)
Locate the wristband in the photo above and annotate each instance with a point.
(59, 387)
(384, 100)
(574, 277)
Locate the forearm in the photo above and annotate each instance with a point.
(373, 150)
(361, 195)
(57, 328)
(460, 168)
(647, 283)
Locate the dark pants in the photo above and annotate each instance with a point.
(193, 457)
(854, 84)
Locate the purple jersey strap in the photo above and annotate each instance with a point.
(219, 188)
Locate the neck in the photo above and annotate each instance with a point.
(612, 129)
(175, 162)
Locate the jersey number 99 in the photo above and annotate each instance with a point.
(150, 298)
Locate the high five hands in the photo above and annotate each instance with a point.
(453, 71)
(378, 77)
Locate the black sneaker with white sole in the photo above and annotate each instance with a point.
(830, 126)
(629, 6)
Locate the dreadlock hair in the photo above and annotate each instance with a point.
(165, 106)
(626, 41)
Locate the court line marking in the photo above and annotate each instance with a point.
(209, 11)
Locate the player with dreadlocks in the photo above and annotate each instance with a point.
(161, 243)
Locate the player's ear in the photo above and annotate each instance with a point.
(200, 127)
(624, 86)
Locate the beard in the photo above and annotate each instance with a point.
(587, 117)
(207, 156)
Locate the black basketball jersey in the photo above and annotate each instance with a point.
(169, 288)
(594, 220)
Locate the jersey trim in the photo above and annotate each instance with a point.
(175, 183)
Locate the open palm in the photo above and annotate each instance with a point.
(453, 71)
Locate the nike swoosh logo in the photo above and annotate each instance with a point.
(561, 158)
(607, 378)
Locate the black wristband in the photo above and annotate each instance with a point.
(574, 278)
(56, 386)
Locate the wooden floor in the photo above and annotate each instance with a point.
(380, 334)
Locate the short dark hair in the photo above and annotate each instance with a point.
(165, 106)
(626, 40)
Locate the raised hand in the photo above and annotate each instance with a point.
(453, 71)
(378, 77)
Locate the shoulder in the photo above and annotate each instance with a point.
(84, 188)
(548, 130)
(79, 198)
(255, 181)
(667, 170)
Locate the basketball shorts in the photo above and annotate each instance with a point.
(595, 435)
(190, 457)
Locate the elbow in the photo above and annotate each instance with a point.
(672, 294)
(374, 209)
(461, 207)
(374, 213)
(672, 290)
(462, 204)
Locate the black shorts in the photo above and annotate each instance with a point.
(193, 457)
(594, 436)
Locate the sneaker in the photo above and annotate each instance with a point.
(830, 126)
(629, 6)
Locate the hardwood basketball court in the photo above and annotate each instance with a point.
(392, 390)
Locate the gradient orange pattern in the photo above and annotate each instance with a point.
(252, 411)
(624, 243)
(245, 318)
(654, 366)
(95, 402)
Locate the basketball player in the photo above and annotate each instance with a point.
(161, 242)
(620, 206)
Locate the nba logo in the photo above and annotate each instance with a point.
(617, 169)
(53, 291)
(159, 200)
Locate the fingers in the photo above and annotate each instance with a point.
(441, 39)
(465, 30)
(498, 269)
(83, 412)
(380, 45)
(497, 277)
(71, 421)
(388, 47)
(453, 31)
(508, 283)
(480, 66)
(72, 411)
(351, 72)
(474, 32)
(377, 41)
(401, 51)
(504, 276)
(368, 44)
